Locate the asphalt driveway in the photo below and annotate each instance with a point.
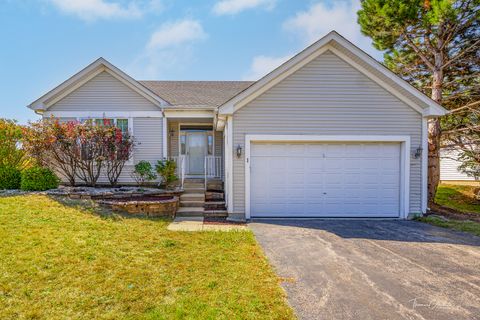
(359, 269)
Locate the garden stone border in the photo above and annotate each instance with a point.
(152, 208)
(92, 193)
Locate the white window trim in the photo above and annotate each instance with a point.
(424, 165)
(130, 130)
(229, 163)
(404, 156)
(101, 114)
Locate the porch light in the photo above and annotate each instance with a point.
(172, 132)
(239, 151)
(418, 152)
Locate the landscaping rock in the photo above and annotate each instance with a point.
(102, 193)
(151, 206)
(18, 192)
(213, 196)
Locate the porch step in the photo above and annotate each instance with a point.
(190, 212)
(194, 180)
(193, 185)
(192, 203)
(192, 197)
(193, 190)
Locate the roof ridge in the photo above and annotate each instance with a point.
(196, 81)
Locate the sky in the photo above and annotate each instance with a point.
(44, 42)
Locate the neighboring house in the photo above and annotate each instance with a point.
(330, 133)
(449, 167)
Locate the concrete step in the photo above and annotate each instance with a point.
(192, 203)
(194, 180)
(191, 185)
(189, 214)
(193, 196)
(193, 190)
(186, 211)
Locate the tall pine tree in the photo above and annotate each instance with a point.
(434, 45)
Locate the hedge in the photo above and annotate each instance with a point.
(39, 179)
(10, 178)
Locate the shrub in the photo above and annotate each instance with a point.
(10, 177)
(39, 179)
(166, 169)
(143, 173)
(79, 150)
(12, 153)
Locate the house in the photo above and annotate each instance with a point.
(329, 133)
(449, 164)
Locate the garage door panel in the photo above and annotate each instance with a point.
(325, 179)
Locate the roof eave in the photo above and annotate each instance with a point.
(241, 99)
(99, 65)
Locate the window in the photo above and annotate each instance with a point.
(183, 143)
(122, 124)
(104, 122)
(210, 143)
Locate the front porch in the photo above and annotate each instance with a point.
(197, 148)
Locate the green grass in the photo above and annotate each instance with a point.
(64, 262)
(459, 198)
(465, 226)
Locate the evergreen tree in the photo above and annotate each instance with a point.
(434, 45)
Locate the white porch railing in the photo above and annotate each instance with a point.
(213, 167)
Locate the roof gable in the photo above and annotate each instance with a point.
(355, 57)
(91, 71)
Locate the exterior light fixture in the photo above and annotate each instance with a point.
(418, 152)
(172, 132)
(239, 151)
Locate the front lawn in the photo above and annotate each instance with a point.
(457, 206)
(59, 261)
(457, 197)
(459, 225)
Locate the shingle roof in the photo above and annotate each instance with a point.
(196, 93)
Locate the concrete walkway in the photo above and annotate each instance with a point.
(197, 224)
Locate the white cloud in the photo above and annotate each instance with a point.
(261, 65)
(232, 7)
(170, 46)
(176, 33)
(323, 17)
(90, 10)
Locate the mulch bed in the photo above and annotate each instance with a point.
(453, 214)
(220, 220)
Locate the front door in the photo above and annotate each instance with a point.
(196, 152)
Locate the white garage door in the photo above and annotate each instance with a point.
(325, 180)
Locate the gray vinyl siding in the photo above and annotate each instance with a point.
(326, 97)
(173, 138)
(147, 133)
(104, 93)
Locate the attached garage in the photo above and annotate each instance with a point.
(329, 133)
(313, 176)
